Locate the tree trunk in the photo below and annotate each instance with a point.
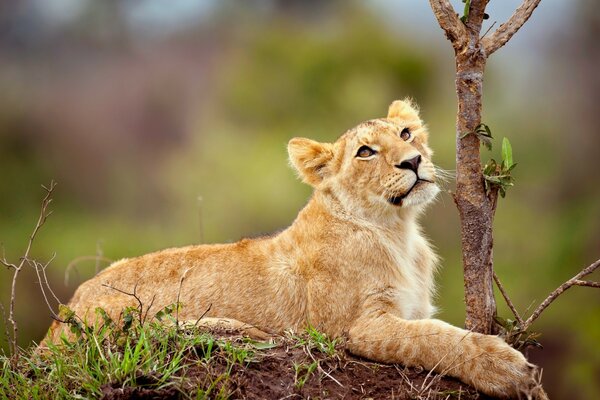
(475, 208)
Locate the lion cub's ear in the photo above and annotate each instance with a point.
(405, 109)
(310, 159)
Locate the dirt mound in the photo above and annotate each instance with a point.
(289, 370)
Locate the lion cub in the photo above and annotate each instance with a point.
(353, 263)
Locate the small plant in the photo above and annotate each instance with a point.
(484, 133)
(314, 339)
(514, 334)
(303, 372)
(498, 176)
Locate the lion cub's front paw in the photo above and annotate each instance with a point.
(503, 371)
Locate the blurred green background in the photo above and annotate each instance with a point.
(166, 123)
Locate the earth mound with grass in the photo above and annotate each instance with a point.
(154, 361)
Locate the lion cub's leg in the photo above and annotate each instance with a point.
(228, 324)
(483, 361)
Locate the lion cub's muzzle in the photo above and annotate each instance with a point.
(411, 164)
(397, 200)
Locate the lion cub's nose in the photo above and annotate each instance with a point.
(411, 164)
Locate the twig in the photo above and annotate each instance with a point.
(42, 279)
(508, 301)
(145, 318)
(45, 276)
(586, 283)
(307, 350)
(134, 295)
(488, 30)
(448, 19)
(178, 297)
(506, 30)
(203, 315)
(44, 214)
(574, 281)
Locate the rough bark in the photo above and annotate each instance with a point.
(475, 208)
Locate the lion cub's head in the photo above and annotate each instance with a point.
(382, 164)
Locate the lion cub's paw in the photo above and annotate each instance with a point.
(503, 371)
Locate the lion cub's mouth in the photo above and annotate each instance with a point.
(397, 200)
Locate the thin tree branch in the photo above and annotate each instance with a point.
(40, 271)
(508, 301)
(450, 23)
(44, 214)
(587, 283)
(134, 295)
(574, 281)
(506, 31)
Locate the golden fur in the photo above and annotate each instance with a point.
(353, 263)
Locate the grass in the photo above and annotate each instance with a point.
(138, 358)
(150, 355)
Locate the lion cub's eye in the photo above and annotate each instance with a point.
(365, 151)
(405, 134)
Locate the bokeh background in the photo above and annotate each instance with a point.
(166, 123)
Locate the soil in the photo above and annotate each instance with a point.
(277, 373)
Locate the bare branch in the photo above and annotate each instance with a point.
(143, 320)
(508, 301)
(450, 23)
(40, 271)
(133, 294)
(45, 276)
(203, 315)
(44, 214)
(575, 281)
(506, 31)
(586, 283)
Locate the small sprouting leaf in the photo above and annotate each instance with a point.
(507, 152)
(490, 167)
(465, 17)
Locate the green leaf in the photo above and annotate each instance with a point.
(490, 167)
(467, 8)
(263, 345)
(507, 157)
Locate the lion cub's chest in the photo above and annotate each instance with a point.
(408, 278)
